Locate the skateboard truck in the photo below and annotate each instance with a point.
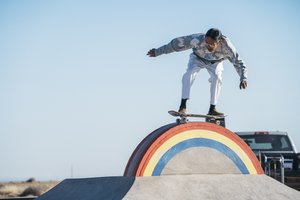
(183, 118)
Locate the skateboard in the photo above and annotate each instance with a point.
(183, 118)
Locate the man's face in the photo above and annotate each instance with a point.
(211, 44)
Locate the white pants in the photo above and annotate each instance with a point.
(215, 71)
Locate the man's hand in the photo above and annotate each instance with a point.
(151, 53)
(243, 84)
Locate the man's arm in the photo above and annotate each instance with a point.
(238, 64)
(177, 44)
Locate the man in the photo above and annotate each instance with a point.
(209, 52)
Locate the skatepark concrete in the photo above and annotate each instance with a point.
(187, 161)
(90, 189)
(210, 186)
(173, 187)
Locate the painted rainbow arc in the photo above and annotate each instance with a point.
(158, 148)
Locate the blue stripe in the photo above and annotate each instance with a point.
(198, 142)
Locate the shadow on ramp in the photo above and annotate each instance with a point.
(90, 189)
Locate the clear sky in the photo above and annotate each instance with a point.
(78, 92)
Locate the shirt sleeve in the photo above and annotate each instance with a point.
(237, 62)
(178, 44)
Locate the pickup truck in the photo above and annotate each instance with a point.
(277, 154)
(273, 144)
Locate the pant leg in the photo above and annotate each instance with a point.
(215, 72)
(189, 76)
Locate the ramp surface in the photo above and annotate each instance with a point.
(173, 187)
(90, 189)
(210, 186)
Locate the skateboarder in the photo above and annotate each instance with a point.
(209, 52)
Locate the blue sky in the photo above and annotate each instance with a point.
(78, 91)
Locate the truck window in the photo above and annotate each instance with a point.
(268, 142)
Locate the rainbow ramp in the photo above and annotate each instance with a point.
(195, 160)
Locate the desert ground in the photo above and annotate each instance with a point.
(27, 188)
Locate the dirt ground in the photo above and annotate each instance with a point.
(23, 189)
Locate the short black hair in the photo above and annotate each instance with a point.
(214, 34)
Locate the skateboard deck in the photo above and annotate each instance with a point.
(183, 117)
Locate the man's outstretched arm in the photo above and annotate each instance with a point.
(238, 64)
(177, 44)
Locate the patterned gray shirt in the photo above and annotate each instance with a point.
(196, 42)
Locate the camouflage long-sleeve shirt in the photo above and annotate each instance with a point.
(196, 42)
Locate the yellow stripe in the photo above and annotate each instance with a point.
(198, 134)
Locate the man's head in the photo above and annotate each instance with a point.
(212, 38)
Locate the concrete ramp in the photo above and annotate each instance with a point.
(195, 160)
(211, 186)
(173, 187)
(90, 189)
